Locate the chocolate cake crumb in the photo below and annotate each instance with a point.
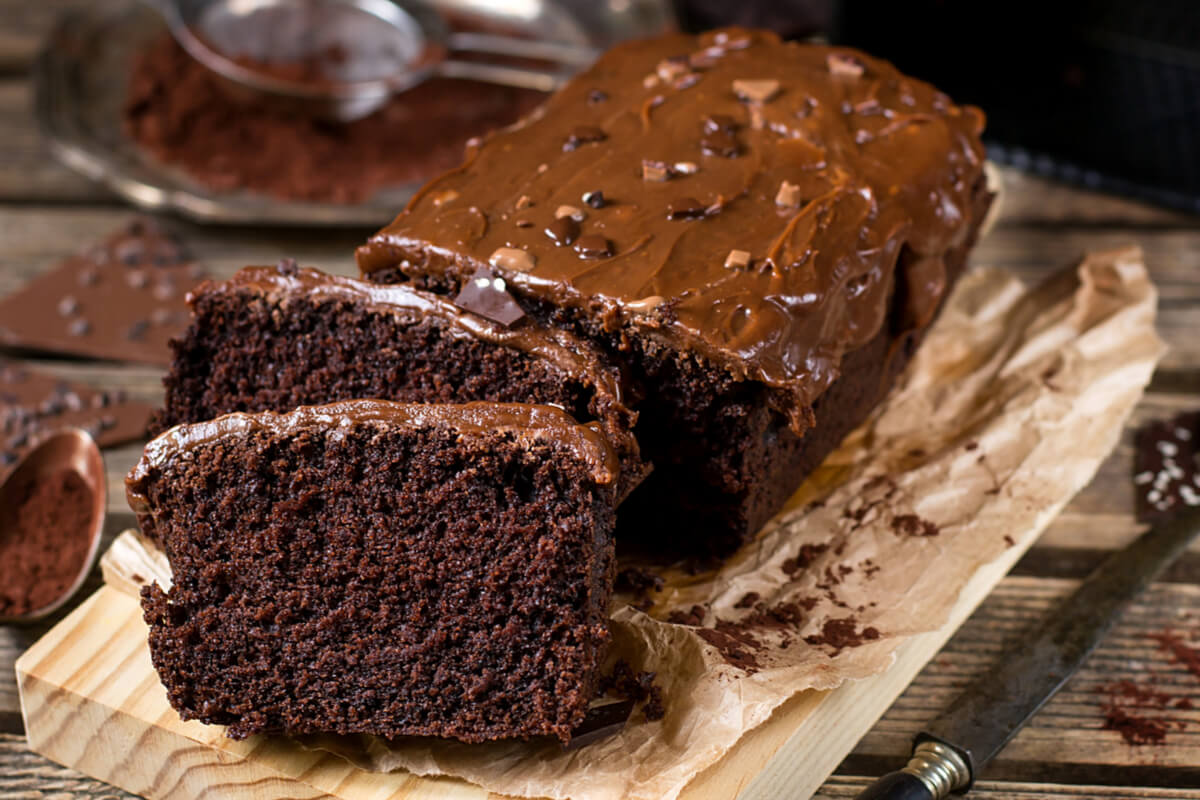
(842, 633)
(694, 616)
(1141, 728)
(912, 525)
(1188, 657)
(808, 553)
(748, 600)
(639, 687)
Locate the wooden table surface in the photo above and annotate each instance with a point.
(47, 212)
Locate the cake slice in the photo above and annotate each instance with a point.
(759, 232)
(381, 568)
(275, 338)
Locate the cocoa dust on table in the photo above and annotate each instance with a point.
(177, 111)
(46, 547)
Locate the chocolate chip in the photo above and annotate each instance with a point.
(671, 68)
(73, 401)
(655, 171)
(100, 400)
(524, 223)
(720, 122)
(68, 306)
(597, 96)
(719, 143)
(511, 258)
(788, 195)
(584, 134)
(165, 290)
(706, 58)
(562, 231)
(487, 295)
(137, 331)
(137, 279)
(593, 246)
(756, 91)
(79, 327)
(844, 65)
(130, 253)
(685, 208)
(593, 199)
(737, 259)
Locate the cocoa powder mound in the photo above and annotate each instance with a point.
(177, 111)
(46, 544)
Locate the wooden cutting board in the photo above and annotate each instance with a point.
(92, 701)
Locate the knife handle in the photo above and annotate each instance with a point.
(934, 771)
(897, 786)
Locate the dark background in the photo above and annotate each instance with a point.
(1104, 94)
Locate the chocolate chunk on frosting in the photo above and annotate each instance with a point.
(485, 295)
(872, 164)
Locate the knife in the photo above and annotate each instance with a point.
(950, 752)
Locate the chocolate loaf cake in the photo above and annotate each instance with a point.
(381, 568)
(758, 232)
(274, 338)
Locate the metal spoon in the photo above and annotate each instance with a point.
(71, 449)
(383, 47)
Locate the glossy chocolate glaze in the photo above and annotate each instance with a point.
(525, 422)
(820, 163)
(284, 284)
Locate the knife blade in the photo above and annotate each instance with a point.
(949, 753)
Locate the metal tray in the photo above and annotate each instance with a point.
(81, 73)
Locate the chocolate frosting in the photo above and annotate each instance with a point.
(526, 422)
(284, 284)
(757, 196)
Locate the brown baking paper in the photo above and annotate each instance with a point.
(1005, 413)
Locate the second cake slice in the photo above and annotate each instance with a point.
(382, 568)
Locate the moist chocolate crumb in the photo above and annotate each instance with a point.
(639, 687)
(842, 633)
(748, 600)
(694, 616)
(808, 553)
(912, 525)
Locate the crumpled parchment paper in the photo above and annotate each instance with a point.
(1007, 410)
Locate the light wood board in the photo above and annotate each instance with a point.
(92, 701)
